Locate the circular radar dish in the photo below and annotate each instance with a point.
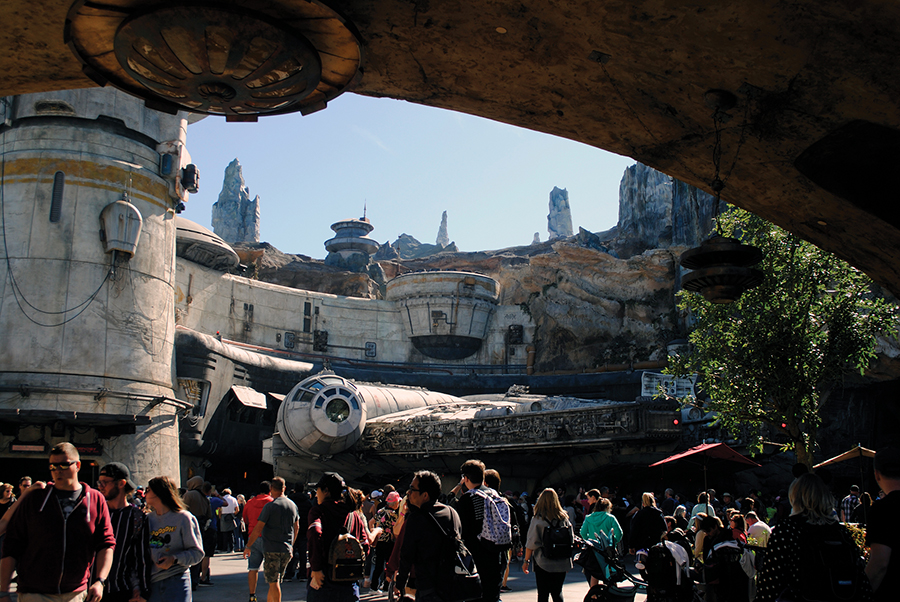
(218, 59)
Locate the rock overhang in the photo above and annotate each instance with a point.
(628, 77)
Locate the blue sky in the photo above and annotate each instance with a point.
(407, 163)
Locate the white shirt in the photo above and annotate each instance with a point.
(760, 531)
(232, 506)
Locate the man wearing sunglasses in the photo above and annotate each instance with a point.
(60, 540)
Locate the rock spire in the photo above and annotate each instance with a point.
(235, 217)
(559, 220)
(442, 238)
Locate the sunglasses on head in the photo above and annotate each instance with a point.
(61, 465)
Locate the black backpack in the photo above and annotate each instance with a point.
(457, 577)
(831, 566)
(558, 540)
(661, 568)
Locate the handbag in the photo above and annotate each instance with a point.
(457, 576)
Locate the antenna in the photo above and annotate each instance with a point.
(365, 202)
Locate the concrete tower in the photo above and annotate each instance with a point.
(351, 248)
(90, 183)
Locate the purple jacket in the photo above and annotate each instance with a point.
(55, 555)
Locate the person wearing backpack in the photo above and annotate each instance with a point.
(492, 480)
(725, 579)
(476, 506)
(811, 556)
(549, 542)
(326, 522)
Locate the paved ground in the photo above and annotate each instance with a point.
(229, 578)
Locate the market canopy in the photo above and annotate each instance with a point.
(857, 452)
(701, 453)
(717, 455)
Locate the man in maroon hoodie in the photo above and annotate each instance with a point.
(60, 540)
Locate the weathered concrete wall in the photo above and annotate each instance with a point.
(115, 332)
(209, 301)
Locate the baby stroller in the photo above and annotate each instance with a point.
(600, 559)
(667, 569)
(729, 570)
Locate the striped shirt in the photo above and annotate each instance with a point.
(131, 558)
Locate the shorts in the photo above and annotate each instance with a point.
(209, 543)
(256, 555)
(276, 563)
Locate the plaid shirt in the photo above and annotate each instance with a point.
(847, 505)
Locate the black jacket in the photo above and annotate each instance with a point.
(424, 542)
(647, 528)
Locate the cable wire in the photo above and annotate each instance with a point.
(18, 295)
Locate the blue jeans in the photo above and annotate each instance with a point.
(333, 592)
(176, 588)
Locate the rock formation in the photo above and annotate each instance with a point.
(537, 238)
(592, 299)
(235, 217)
(559, 220)
(656, 212)
(442, 238)
(408, 247)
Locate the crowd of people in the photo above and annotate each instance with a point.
(71, 542)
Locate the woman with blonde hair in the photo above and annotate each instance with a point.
(812, 518)
(648, 526)
(549, 573)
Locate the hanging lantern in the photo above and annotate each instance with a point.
(722, 269)
(722, 266)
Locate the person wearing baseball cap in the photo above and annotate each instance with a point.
(130, 572)
(326, 520)
(385, 518)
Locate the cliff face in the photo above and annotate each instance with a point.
(656, 211)
(235, 217)
(589, 307)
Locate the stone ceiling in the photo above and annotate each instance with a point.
(810, 144)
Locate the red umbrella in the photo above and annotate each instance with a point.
(707, 453)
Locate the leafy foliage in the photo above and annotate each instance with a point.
(774, 356)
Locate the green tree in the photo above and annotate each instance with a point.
(775, 356)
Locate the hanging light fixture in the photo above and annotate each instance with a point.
(722, 266)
